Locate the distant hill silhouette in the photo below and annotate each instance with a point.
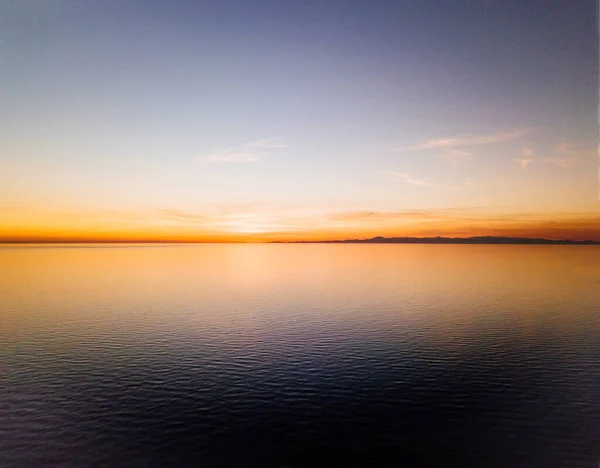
(449, 240)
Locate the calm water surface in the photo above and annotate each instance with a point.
(293, 355)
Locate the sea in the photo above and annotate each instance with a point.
(297, 355)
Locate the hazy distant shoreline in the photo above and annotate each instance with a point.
(491, 240)
(448, 240)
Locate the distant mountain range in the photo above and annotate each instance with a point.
(449, 240)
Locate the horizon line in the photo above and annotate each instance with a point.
(374, 239)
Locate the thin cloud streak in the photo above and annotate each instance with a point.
(451, 148)
(466, 140)
(571, 157)
(455, 155)
(181, 216)
(403, 176)
(561, 162)
(567, 150)
(402, 215)
(249, 152)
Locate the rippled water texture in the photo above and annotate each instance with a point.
(293, 355)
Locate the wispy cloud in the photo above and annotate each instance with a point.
(249, 152)
(567, 149)
(407, 178)
(569, 156)
(466, 140)
(565, 156)
(387, 216)
(561, 162)
(526, 159)
(452, 148)
(455, 154)
(181, 216)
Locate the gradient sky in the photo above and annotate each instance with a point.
(258, 120)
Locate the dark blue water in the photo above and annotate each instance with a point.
(300, 355)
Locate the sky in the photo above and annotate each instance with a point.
(258, 120)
